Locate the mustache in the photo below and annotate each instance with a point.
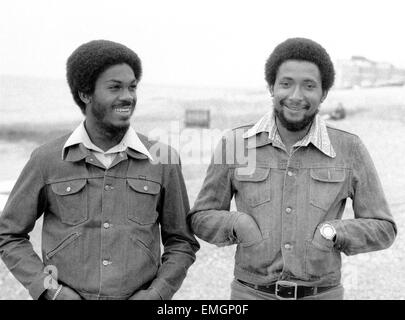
(125, 104)
(287, 101)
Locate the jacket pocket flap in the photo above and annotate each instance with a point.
(144, 186)
(328, 174)
(256, 174)
(68, 187)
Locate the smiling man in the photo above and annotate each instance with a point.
(107, 204)
(291, 198)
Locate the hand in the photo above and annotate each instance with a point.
(246, 229)
(65, 294)
(148, 294)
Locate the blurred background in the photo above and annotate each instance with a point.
(204, 71)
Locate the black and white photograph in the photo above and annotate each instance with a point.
(202, 150)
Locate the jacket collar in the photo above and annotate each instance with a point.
(267, 133)
(78, 145)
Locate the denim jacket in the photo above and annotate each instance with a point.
(289, 197)
(102, 229)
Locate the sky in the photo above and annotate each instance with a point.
(203, 43)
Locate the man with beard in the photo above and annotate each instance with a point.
(106, 201)
(291, 189)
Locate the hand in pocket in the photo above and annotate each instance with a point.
(246, 229)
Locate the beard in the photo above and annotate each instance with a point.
(292, 125)
(114, 131)
(108, 128)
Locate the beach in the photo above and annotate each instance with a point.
(377, 116)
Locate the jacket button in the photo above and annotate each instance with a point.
(106, 262)
(288, 210)
(68, 189)
(288, 246)
(106, 225)
(289, 173)
(145, 188)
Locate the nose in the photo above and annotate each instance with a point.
(296, 93)
(128, 96)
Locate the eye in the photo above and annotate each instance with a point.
(114, 87)
(284, 84)
(310, 85)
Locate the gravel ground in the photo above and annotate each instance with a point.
(377, 275)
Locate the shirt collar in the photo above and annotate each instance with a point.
(317, 135)
(130, 140)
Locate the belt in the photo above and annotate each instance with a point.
(287, 289)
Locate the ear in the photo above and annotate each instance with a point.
(324, 95)
(271, 89)
(86, 98)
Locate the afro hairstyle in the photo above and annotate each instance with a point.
(301, 49)
(89, 60)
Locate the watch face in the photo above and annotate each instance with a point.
(328, 231)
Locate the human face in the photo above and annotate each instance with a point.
(297, 94)
(113, 102)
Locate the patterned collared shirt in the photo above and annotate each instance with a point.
(317, 135)
(130, 140)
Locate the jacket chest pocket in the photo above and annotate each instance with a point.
(71, 201)
(325, 186)
(253, 185)
(143, 196)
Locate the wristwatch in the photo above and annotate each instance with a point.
(328, 231)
